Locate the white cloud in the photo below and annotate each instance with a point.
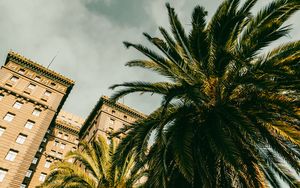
(88, 43)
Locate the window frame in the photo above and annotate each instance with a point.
(21, 138)
(11, 155)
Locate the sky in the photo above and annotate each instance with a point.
(86, 37)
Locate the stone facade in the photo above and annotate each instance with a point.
(60, 139)
(34, 131)
(30, 98)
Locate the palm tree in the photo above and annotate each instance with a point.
(229, 115)
(92, 168)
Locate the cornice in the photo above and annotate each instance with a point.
(68, 127)
(122, 107)
(21, 60)
(96, 110)
(29, 99)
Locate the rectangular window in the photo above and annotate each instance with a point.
(59, 134)
(59, 155)
(21, 139)
(1, 96)
(28, 173)
(41, 149)
(111, 121)
(9, 117)
(31, 86)
(62, 146)
(23, 185)
(21, 71)
(44, 139)
(29, 124)
(2, 174)
(2, 129)
(56, 143)
(42, 177)
(47, 93)
(66, 137)
(17, 105)
(73, 148)
(14, 79)
(47, 164)
(53, 152)
(11, 155)
(37, 78)
(36, 112)
(34, 161)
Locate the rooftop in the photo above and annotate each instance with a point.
(19, 59)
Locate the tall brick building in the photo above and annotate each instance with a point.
(30, 98)
(34, 131)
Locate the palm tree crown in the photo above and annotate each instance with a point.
(92, 168)
(229, 115)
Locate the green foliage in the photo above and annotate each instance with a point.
(92, 168)
(229, 115)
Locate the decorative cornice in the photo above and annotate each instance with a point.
(19, 59)
(123, 108)
(68, 127)
(108, 102)
(27, 98)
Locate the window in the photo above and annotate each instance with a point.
(59, 155)
(2, 174)
(2, 129)
(56, 143)
(21, 71)
(29, 124)
(11, 155)
(41, 149)
(66, 136)
(53, 152)
(125, 117)
(47, 164)
(53, 84)
(36, 112)
(47, 93)
(76, 141)
(111, 121)
(42, 177)
(73, 148)
(28, 173)
(17, 105)
(44, 139)
(31, 86)
(1, 96)
(113, 112)
(59, 134)
(37, 78)
(34, 161)
(62, 146)
(14, 79)
(9, 117)
(23, 185)
(21, 139)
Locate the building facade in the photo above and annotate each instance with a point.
(34, 131)
(60, 139)
(108, 117)
(30, 98)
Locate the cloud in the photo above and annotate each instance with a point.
(87, 38)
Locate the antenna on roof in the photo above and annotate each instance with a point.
(52, 60)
